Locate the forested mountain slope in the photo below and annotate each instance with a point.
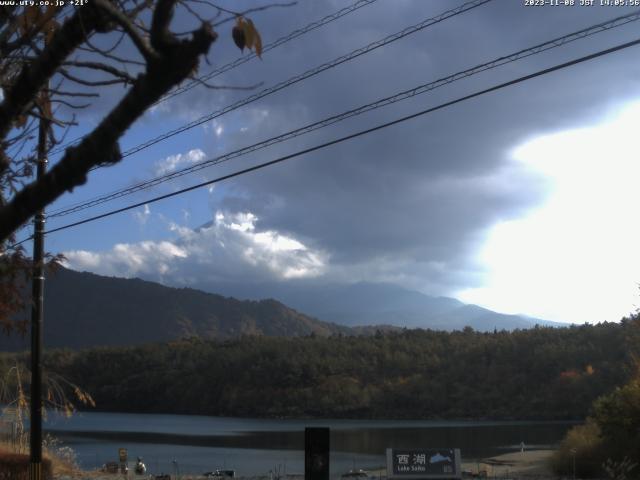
(541, 373)
(84, 310)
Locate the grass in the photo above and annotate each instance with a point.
(61, 458)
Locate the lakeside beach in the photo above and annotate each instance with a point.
(527, 464)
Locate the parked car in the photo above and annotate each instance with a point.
(355, 475)
(220, 474)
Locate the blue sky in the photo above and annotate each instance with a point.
(519, 201)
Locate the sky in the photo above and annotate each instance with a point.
(519, 200)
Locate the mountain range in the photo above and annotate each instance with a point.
(370, 304)
(84, 309)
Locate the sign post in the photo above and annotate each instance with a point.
(426, 463)
(316, 453)
(122, 455)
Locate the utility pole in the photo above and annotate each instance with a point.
(37, 315)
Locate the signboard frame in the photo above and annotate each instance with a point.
(428, 452)
(123, 455)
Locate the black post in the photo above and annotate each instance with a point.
(316, 453)
(37, 314)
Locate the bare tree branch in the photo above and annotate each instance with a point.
(90, 83)
(125, 22)
(245, 12)
(64, 93)
(33, 78)
(175, 61)
(75, 106)
(225, 87)
(107, 54)
(103, 67)
(248, 11)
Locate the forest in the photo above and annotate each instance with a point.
(541, 373)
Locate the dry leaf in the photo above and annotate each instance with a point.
(28, 19)
(249, 33)
(238, 34)
(35, 19)
(256, 41)
(258, 45)
(245, 34)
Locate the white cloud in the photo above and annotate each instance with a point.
(181, 160)
(576, 258)
(231, 248)
(141, 216)
(215, 126)
(128, 259)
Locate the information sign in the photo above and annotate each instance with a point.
(423, 463)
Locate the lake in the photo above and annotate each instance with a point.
(195, 444)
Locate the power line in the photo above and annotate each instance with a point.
(308, 74)
(245, 58)
(357, 134)
(557, 42)
(291, 36)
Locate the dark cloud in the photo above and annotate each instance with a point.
(411, 203)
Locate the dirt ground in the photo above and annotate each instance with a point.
(529, 463)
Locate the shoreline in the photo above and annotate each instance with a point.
(527, 464)
(530, 463)
(547, 419)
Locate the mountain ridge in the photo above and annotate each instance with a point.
(84, 309)
(371, 304)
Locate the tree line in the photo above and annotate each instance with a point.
(541, 373)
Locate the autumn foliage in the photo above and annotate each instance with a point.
(407, 374)
(245, 35)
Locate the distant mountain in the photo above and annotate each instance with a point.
(373, 304)
(84, 310)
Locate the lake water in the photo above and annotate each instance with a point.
(195, 444)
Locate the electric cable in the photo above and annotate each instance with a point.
(557, 42)
(356, 134)
(245, 58)
(281, 41)
(307, 74)
(310, 73)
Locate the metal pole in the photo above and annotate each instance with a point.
(37, 301)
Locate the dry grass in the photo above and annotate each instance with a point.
(60, 465)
